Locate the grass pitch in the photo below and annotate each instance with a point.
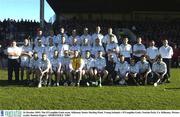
(166, 96)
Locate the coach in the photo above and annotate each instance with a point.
(13, 53)
(166, 53)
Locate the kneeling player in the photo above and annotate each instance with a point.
(55, 68)
(43, 70)
(159, 69)
(87, 71)
(145, 75)
(99, 72)
(33, 68)
(76, 66)
(122, 69)
(65, 71)
(133, 73)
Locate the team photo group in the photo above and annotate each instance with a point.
(88, 60)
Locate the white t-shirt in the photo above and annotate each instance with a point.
(55, 63)
(166, 52)
(16, 50)
(106, 39)
(95, 36)
(100, 63)
(122, 68)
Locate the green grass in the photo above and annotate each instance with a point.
(166, 96)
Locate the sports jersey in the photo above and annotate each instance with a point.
(39, 50)
(144, 67)
(25, 58)
(34, 64)
(122, 67)
(88, 63)
(100, 63)
(159, 67)
(125, 50)
(55, 63)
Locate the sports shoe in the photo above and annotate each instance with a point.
(78, 84)
(87, 84)
(57, 84)
(39, 85)
(155, 84)
(100, 85)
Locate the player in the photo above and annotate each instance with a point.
(40, 48)
(145, 75)
(75, 46)
(85, 47)
(133, 75)
(74, 36)
(112, 47)
(41, 37)
(87, 71)
(139, 49)
(86, 36)
(122, 69)
(33, 69)
(96, 35)
(43, 70)
(107, 37)
(159, 69)
(126, 49)
(55, 68)
(166, 53)
(99, 72)
(96, 48)
(76, 66)
(60, 35)
(65, 70)
(63, 46)
(152, 52)
(49, 49)
(26, 54)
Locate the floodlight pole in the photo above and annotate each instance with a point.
(42, 14)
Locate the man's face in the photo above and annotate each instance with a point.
(159, 60)
(98, 29)
(132, 62)
(62, 30)
(122, 58)
(152, 43)
(97, 41)
(13, 43)
(40, 32)
(88, 54)
(66, 53)
(125, 40)
(44, 56)
(76, 53)
(139, 40)
(110, 31)
(26, 42)
(39, 42)
(165, 42)
(74, 41)
(143, 59)
(52, 33)
(99, 54)
(35, 55)
(55, 53)
(85, 41)
(74, 33)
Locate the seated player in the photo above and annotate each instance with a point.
(159, 69)
(133, 73)
(76, 66)
(99, 72)
(55, 68)
(33, 68)
(65, 70)
(122, 69)
(43, 70)
(144, 70)
(87, 71)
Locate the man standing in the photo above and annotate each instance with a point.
(166, 53)
(13, 53)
